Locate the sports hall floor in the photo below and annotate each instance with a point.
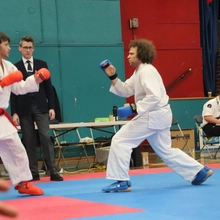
(157, 194)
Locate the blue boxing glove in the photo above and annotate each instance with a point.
(104, 64)
(126, 111)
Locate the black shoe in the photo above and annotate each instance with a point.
(56, 177)
(35, 178)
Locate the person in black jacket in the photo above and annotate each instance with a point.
(34, 108)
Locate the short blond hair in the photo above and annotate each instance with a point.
(27, 39)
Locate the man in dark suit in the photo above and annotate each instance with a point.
(34, 108)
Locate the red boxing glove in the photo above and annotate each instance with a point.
(43, 73)
(11, 78)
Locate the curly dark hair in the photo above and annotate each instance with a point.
(4, 37)
(146, 51)
(27, 39)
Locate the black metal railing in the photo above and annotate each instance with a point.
(178, 79)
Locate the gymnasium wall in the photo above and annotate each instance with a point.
(74, 36)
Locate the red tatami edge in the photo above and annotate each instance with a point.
(102, 174)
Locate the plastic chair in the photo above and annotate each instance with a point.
(101, 141)
(62, 146)
(206, 142)
(181, 135)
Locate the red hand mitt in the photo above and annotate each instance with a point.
(43, 73)
(11, 78)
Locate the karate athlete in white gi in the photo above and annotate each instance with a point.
(12, 151)
(211, 117)
(152, 122)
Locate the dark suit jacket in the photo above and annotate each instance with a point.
(20, 104)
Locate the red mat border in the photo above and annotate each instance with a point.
(102, 174)
(93, 175)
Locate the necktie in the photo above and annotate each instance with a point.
(29, 66)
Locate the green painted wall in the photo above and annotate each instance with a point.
(185, 109)
(73, 36)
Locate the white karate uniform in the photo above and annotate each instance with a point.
(152, 122)
(12, 151)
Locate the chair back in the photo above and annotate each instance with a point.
(206, 142)
(198, 119)
(181, 135)
(174, 121)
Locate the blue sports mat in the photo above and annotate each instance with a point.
(161, 196)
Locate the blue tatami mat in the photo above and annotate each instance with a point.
(158, 196)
